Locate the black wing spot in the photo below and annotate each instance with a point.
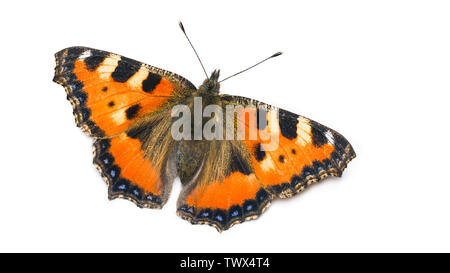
(281, 159)
(92, 62)
(73, 53)
(288, 124)
(150, 83)
(104, 89)
(111, 104)
(259, 154)
(293, 151)
(125, 69)
(318, 133)
(132, 111)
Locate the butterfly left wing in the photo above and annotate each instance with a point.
(124, 105)
(137, 164)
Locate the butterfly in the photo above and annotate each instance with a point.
(126, 107)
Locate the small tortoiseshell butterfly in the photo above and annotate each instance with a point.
(126, 106)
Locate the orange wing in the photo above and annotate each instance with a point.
(113, 99)
(129, 174)
(109, 92)
(306, 152)
(233, 196)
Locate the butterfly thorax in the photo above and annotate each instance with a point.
(211, 85)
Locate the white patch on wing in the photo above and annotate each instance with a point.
(85, 54)
(330, 137)
(303, 132)
(108, 66)
(119, 117)
(136, 80)
(267, 163)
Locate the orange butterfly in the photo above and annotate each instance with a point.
(127, 107)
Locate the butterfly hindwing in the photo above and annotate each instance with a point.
(109, 92)
(122, 104)
(225, 191)
(137, 164)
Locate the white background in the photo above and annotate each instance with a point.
(376, 71)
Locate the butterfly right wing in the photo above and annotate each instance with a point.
(225, 190)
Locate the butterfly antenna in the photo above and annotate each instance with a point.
(274, 55)
(182, 29)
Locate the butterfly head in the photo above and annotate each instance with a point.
(212, 83)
